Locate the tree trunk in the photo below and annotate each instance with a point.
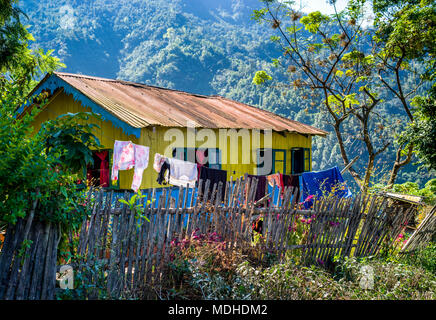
(398, 164)
(344, 155)
(368, 173)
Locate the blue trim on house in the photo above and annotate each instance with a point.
(53, 82)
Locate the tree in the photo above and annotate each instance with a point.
(413, 37)
(20, 66)
(355, 68)
(421, 133)
(41, 167)
(406, 32)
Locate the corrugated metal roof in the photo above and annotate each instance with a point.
(142, 105)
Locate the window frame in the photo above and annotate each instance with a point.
(110, 161)
(307, 156)
(216, 165)
(273, 159)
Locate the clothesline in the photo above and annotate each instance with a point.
(172, 171)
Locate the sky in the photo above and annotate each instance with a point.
(320, 5)
(323, 6)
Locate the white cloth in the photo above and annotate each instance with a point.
(158, 161)
(182, 173)
(128, 155)
(141, 163)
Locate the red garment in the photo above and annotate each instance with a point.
(278, 178)
(199, 166)
(104, 168)
(201, 156)
(292, 181)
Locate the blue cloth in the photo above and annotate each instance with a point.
(321, 183)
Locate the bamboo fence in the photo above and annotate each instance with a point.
(28, 259)
(423, 234)
(134, 253)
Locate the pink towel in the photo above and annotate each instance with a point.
(128, 155)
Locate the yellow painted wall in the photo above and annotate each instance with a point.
(154, 137)
(63, 104)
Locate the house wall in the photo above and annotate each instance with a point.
(107, 135)
(160, 139)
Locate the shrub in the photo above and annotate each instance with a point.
(289, 281)
(424, 258)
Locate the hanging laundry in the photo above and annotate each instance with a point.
(104, 168)
(282, 181)
(261, 186)
(201, 156)
(276, 178)
(182, 173)
(141, 163)
(123, 157)
(164, 171)
(158, 161)
(322, 183)
(128, 155)
(292, 181)
(214, 175)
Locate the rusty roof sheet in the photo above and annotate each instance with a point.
(142, 105)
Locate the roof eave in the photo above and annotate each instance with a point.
(53, 81)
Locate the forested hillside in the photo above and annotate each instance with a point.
(200, 46)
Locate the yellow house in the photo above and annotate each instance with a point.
(170, 122)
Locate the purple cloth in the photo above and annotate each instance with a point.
(261, 186)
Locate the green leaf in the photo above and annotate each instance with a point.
(361, 78)
(260, 77)
(313, 21)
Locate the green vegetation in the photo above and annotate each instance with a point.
(424, 258)
(199, 47)
(428, 192)
(201, 270)
(422, 131)
(38, 172)
(356, 69)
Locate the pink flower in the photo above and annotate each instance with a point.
(185, 242)
(400, 236)
(308, 198)
(293, 227)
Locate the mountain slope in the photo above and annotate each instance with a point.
(200, 46)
